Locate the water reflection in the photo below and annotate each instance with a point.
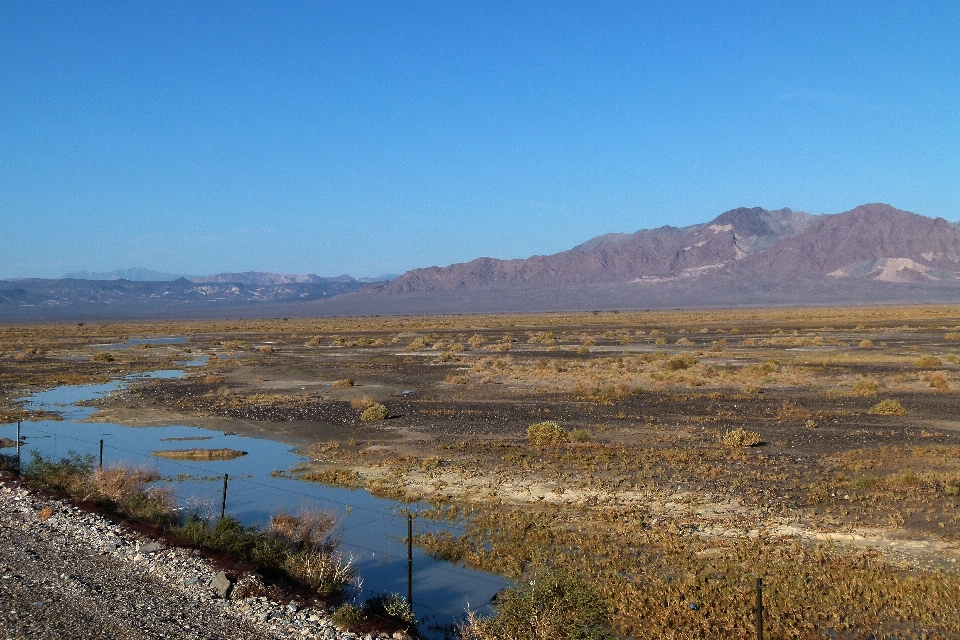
(372, 529)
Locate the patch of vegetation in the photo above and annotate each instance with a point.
(199, 454)
(580, 435)
(547, 433)
(888, 407)
(740, 437)
(375, 413)
(301, 547)
(553, 605)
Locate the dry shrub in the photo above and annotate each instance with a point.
(865, 387)
(888, 407)
(953, 335)
(546, 433)
(681, 361)
(310, 551)
(476, 341)
(103, 356)
(337, 477)
(937, 379)
(113, 484)
(866, 344)
(418, 344)
(312, 342)
(928, 361)
(309, 530)
(266, 349)
(46, 513)
(684, 342)
(740, 437)
(346, 382)
(362, 402)
(749, 342)
(374, 413)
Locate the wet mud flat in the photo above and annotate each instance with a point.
(650, 397)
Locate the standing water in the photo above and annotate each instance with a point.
(372, 530)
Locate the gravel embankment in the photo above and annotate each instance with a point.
(78, 575)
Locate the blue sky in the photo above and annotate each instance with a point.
(375, 137)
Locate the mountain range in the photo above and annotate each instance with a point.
(873, 253)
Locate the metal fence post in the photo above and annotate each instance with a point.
(410, 560)
(101, 453)
(759, 608)
(223, 503)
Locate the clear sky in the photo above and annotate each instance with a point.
(373, 137)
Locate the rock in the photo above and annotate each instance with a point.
(151, 547)
(221, 584)
(401, 635)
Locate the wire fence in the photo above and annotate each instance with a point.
(256, 496)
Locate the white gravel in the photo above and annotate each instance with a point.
(79, 575)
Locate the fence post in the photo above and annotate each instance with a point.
(101, 453)
(410, 560)
(759, 608)
(223, 503)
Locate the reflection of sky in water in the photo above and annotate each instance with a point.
(372, 529)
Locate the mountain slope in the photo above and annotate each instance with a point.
(872, 241)
(664, 253)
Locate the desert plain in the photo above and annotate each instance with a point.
(675, 456)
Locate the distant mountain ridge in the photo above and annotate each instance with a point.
(135, 274)
(873, 253)
(874, 241)
(257, 278)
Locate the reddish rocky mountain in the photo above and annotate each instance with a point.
(873, 241)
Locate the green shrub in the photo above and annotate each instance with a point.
(580, 435)
(546, 433)
(374, 413)
(392, 607)
(347, 617)
(555, 605)
(888, 407)
(60, 475)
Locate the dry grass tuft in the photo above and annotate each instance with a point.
(740, 437)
